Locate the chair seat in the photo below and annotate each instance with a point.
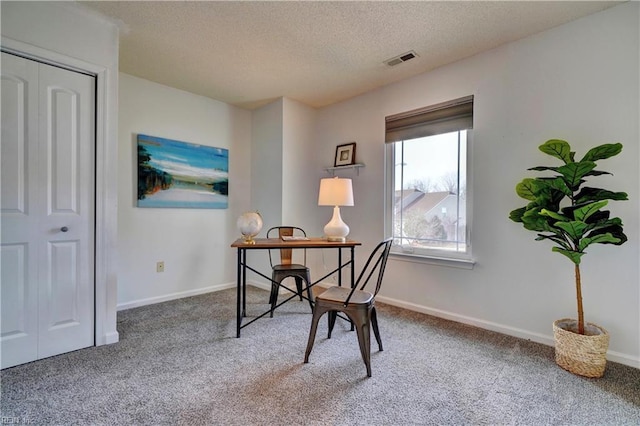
(291, 267)
(339, 295)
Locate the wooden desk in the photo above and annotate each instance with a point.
(277, 243)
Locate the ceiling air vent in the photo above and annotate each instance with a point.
(401, 58)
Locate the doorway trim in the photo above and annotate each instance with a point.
(106, 185)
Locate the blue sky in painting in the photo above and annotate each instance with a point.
(186, 159)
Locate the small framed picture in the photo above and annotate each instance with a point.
(345, 154)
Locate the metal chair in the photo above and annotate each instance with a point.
(282, 265)
(357, 304)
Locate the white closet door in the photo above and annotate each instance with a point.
(48, 214)
(19, 201)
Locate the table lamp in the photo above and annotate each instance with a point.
(336, 192)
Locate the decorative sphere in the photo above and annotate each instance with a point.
(249, 224)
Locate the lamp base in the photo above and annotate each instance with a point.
(337, 239)
(336, 229)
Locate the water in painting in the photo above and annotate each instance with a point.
(180, 174)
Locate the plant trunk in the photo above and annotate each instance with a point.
(579, 298)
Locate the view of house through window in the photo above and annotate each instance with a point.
(426, 197)
(429, 209)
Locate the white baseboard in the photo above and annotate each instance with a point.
(263, 286)
(548, 340)
(173, 296)
(110, 338)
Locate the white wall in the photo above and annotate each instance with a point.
(67, 35)
(266, 163)
(298, 198)
(577, 82)
(281, 151)
(193, 243)
(282, 146)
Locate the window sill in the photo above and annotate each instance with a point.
(433, 260)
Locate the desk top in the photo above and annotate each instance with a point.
(277, 243)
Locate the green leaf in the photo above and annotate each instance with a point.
(615, 230)
(619, 235)
(554, 215)
(527, 189)
(583, 213)
(574, 172)
(559, 184)
(604, 226)
(574, 256)
(603, 151)
(533, 221)
(574, 228)
(550, 193)
(599, 216)
(588, 194)
(557, 148)
(600, 239)
(558, 239)
(543, 168)
(516, 215)
(598, 173)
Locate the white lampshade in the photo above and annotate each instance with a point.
(336, 192)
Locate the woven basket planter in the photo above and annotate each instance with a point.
(585, 355)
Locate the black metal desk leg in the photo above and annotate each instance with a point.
(244, 283)
(353, 267)
(238, 283)
(353, 275)
(340, 267)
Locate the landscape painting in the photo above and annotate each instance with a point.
(178, 174)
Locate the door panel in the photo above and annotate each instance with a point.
(62, 148)
(66, 144)
(18, 203)
(19, 327)
(57, 230)
(14, 146)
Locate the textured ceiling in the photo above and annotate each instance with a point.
(317, 52)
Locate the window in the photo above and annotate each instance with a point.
(427, 187)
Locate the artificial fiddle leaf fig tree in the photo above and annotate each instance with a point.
(563, 210)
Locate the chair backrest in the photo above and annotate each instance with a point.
(377, 262)
(286, 255)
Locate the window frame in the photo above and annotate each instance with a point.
(456, 259)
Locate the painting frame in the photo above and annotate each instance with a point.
(345, 155)
(176, 174)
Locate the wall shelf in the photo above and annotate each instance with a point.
(356, 167)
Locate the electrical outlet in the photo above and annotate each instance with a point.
(160, 267)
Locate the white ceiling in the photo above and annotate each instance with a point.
(249, 53)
